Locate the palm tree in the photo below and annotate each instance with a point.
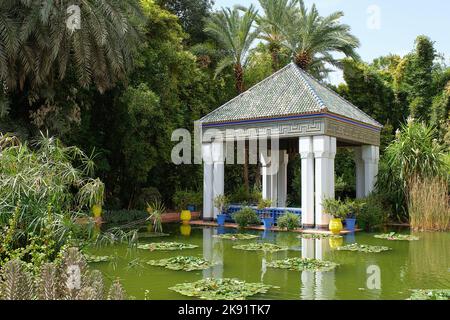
(36, 46)
(235, 33)
(312, 39)
(276, 13)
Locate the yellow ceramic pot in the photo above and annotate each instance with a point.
(336, 226)
(97, 210)
(185, 215)
(185, 229)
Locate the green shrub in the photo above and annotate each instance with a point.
(289, 221)
(124, 216)
(147, 195)
(246, 217)
(241, 196)
(373, 214)
(182, 199)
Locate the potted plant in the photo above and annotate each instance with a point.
(221, 203)
(267, 219)
(355, 208)
(338, 211)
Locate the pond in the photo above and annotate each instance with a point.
(423, 264)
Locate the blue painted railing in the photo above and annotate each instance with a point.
(273, 212)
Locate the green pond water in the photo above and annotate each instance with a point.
(423, 264)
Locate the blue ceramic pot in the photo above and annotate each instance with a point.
(221, 219)
(350, 224)
(268, 223)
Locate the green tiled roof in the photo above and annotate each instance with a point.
(288, 92)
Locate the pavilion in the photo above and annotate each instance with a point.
(307, 118)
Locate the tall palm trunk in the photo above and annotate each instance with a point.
(239, 78)
(275, 49)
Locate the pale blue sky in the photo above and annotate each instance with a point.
(399, 23)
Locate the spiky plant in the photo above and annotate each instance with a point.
(49, 282)
(116, 292)
(16, 282)
(37, 47)
(313, 39)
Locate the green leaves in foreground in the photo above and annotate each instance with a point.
(299, 264)
(236, 236)
(363, 248)
(318, 236)
(430, 295)
(182, 263)
(166, 246)
(221, 289)
(267, 247)
(396, 237)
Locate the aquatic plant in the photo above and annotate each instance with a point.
(166, 246)
(318, 236)
(430, 295)
(221, 289)
(155, 211)
(267, 247)
(300, 264)
(364, 248)
(397, 237)
(182, 263)
(236, 236)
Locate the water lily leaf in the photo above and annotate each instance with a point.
(221, 289)
(236, 236)
(397, 237)
(267, 247)
(363, 248)
(182, 263)
(300, 264)
(166, 246)
(430, 295)
(97, 259)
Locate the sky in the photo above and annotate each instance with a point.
(384, 26)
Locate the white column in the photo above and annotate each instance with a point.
(307, 167)
(359, 173)
(331, 166)
(282, 179)
(218, 172)
(274, 171)
(371, 158)
(266, 178)
(208, 195)
(324, 147)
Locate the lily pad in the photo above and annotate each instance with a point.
(97, 259)
(364, 248)
(430, 295)
(300, 264)
(236, 236)
(318, 236)
(166, 246)
(221, 289)
(267, 247)
(182, 263)
(397, 237)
